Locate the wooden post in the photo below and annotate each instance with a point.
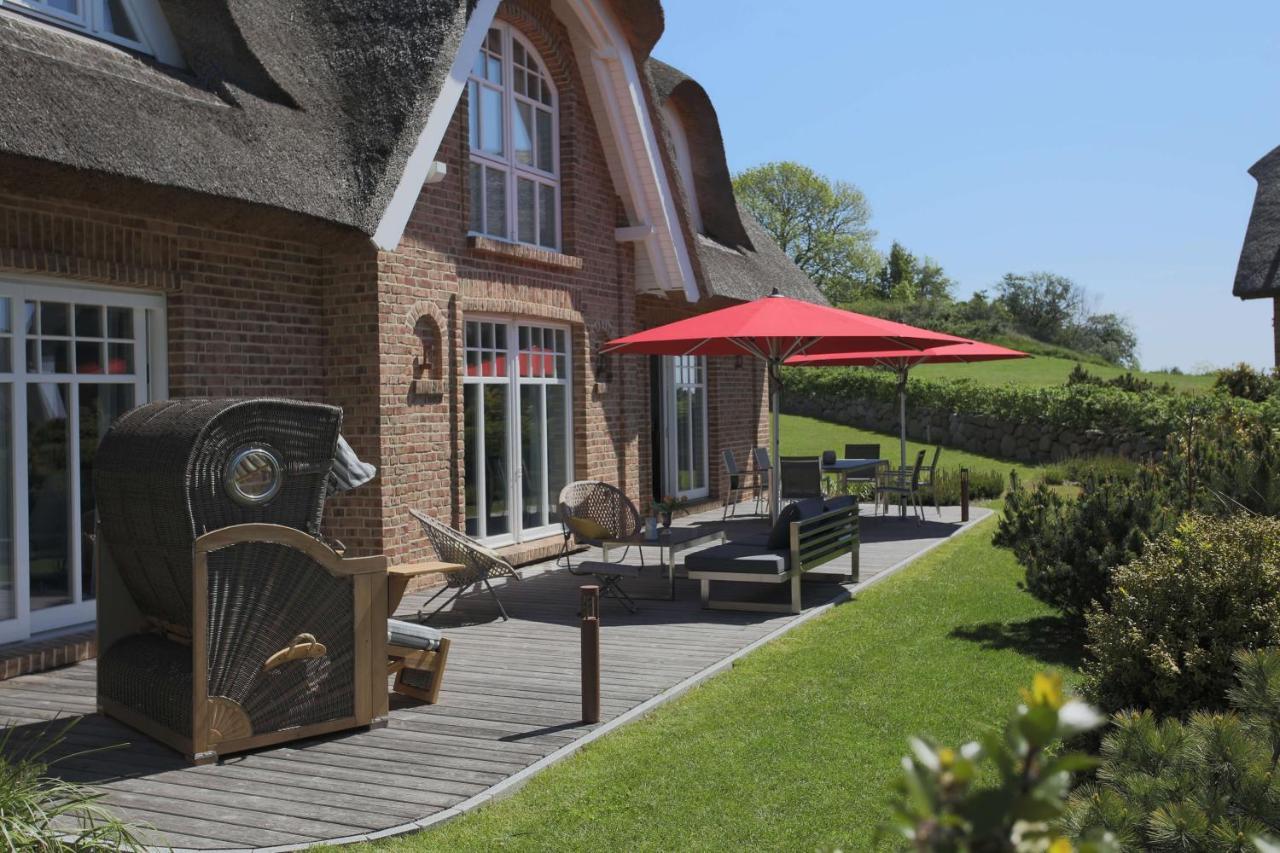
(590, 610)
(964, 494)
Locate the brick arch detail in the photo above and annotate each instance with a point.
(428, 369)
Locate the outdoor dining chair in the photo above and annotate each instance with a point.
(929, 479)
(481, 564)
(739, 482)
(801, 478)
(763, 467)
(593, 513)
(900, 484)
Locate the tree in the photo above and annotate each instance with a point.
(898, 278)
(822, 225)
(1110, 336)
(1042, 304)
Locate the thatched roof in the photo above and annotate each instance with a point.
(736, 257)
(1257, 273)
(313, 107)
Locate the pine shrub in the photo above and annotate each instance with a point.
(1071, 547)
(1178, 612)
(1209, 784)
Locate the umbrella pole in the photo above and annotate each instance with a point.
(902, 420)
(776, 470)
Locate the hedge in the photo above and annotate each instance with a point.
(1080, 407)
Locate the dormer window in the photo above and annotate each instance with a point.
(515, 143)
(136, 24)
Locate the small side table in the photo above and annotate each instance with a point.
(398, 578)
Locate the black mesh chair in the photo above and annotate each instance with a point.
(801, 478)
(224, 622)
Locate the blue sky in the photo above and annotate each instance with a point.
(1107, 142)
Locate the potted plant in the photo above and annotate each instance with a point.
(668, 505)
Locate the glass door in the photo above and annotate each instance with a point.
(517, 429)
(73, 360)
(685, 426)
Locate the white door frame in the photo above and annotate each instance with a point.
(150, 383)
(670, 432)
(515, 459)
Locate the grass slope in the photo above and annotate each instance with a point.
(803, 436)
(1044, 370)
(795, 747)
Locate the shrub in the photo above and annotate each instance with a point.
(41, 813)
(1207, 785)
(1082, 469)
(1125, 381)
(1247, 383)
(941, 806)
(1180, 610)
(1070, 547)
(983, 485)
(1226, 460)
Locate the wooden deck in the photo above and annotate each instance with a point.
(510, 706)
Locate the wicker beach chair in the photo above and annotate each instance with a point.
(482, 564)
(224, 622)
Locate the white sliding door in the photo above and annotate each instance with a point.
(518, 438)
(685, 426)
(72, 359)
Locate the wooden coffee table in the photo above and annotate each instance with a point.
(398, 578)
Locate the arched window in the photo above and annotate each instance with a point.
(515, 150)
(135, 24)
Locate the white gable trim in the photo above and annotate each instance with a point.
(418, 167)
(607, 61)
(646, 181)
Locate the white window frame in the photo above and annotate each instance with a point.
(145, 16)
(517, 532)
(150, 379)
(672, 381)
(512, 169)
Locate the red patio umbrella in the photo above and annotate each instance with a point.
(774, 329)
(902, 360)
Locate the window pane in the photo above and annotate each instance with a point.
(496, 512)
(477, 67)
(55, 318)
(31, 324)
(547, 202)
(48, 494)
(120, 358)
(522, 133)
(546, 145)
(6, 359)
(494, 42)
(491, 120)
(471, 451)
(88, 321)
(698, 403)
(477, 199)
(494, 71)
(116, 20)
(534, 87)
(495, 195)
(55, 356)
(120, 322)
(99, 406)
(89, 356)
(6, 317)
(71, 7)
(473, 114)
(526, 211)
(519, 82)
(557, 445)
(532, 444)
(517, 52)
(7, 592)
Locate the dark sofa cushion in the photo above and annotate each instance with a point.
(840, 502)
(780, 535)
(731, 557)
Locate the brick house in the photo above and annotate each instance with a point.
(428, 212)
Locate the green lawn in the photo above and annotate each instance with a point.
(1043, 370)
(803, 436)
(795, 747)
